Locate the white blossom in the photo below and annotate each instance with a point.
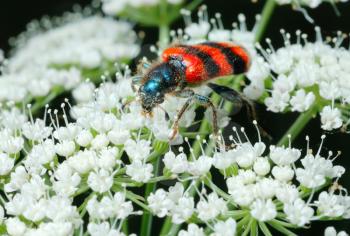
(298, 212)
(315, 171)
(102, 229)
(211, 208)
(263, 210)
(261, 166)
(15, 227)
(225, 228)
(6, 164)
(37, 130)
(176, 164)
(329, 205)
(84, 138)
(301, 101)
(200, 166)
(183, 210)
(304, 76)
(308, 3)
(246, 154)
(159, 203)
(137, 150)
(139, 172)
(330, 118)
(330, 231)
(192, 230)
(287, 193)
(100, 181)
(65, 148)
(283, 174)
(284, 156)
(114, 7)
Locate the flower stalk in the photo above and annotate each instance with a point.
(266, 15)
(147, 218)
(298, 125)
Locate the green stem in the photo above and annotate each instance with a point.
(147, 218)
(237, 214)
(82, 208)
(218, 190)
(254, 229)
(125, 227)
(266, 14)
(167, 225)
(248, 227)
(281, 228)
(40, 103)
(298, 125)
(83, 189)
(163, 25)
(159, 149)
(241, 225)
(193, 4)
(163, 35)
(264, 229)
(133, 197)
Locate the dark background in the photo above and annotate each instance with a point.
(15, 14)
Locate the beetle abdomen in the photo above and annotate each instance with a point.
(209, 60)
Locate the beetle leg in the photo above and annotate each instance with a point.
(235, 97)
(136, 80)
(202, 100)
(205, 101)
(238, 99)
(185, 93)
(175, 128)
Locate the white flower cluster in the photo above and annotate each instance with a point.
(330, 231)
(306, 75)
(177, 204)
(213, 30)
(308, 3)
(265, 184)
(114, 7)
(56, 163)
(57, 57)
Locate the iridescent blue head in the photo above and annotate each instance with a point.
(159, 80)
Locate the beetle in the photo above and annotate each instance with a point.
(185, 66)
